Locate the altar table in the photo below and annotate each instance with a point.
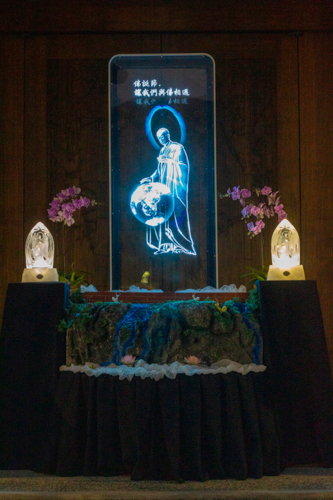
(193, 427)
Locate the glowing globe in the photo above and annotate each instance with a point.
(152, 203)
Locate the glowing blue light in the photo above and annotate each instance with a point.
(152, 203)
(178, 117)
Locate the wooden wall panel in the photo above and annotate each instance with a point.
(98, 16)
(256, 129)
(78, 155)
(66, 142)
(316, 111)
(35, 134)
(287, 122)
(11, 163)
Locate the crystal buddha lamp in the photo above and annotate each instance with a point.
(39, 254)
(285, 248)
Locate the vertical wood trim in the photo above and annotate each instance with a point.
(316, 146)
(11, 162)
(35, 157)
(288, 128)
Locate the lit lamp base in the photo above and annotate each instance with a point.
(40, 275)
(292, 273)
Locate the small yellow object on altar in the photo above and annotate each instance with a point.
(145, 277)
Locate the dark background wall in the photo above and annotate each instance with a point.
(274, 100)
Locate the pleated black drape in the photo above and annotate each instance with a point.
(190, 428)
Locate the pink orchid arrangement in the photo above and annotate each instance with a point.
(63, 206)
(268, 209)
(192, 360)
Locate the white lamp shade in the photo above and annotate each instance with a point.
(285, 246)
(39, 248)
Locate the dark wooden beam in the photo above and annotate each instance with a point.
(11, 163)
(107, 16)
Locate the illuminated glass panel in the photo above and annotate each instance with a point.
(162, 128)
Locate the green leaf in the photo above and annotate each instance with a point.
(256, 274)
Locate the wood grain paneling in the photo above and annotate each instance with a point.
(256, 130)
(35, 134)
(66, 138)
(11, 162)
(316, 111)
(107, 16)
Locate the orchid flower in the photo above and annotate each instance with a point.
(269, 209)
(66, 202)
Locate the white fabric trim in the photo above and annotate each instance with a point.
(156, 372)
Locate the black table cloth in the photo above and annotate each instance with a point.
(191, 428)
(31, 351)
(298, 370)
